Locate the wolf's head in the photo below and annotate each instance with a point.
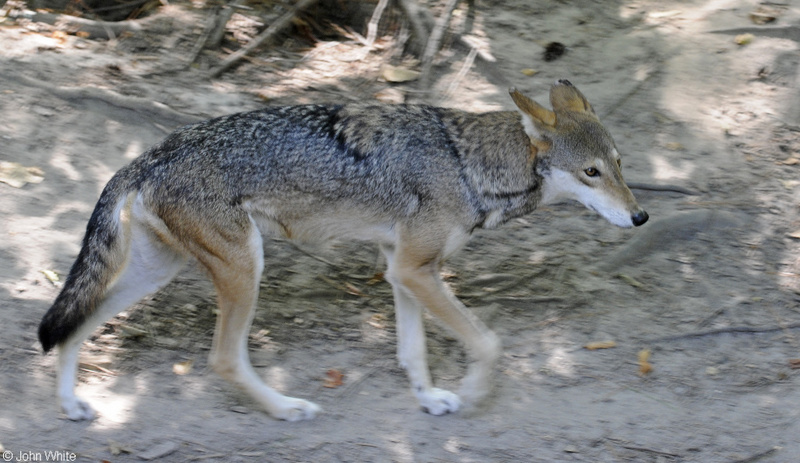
(576, 156)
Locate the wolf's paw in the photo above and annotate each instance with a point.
(477, 385)
(77, 409)
(438, 401)
(296, 410)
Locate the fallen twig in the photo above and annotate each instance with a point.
(758, 456)
(621, 102)
(95, 29)
(626, 445)
(468, 62)
(274, 28)
(649, 450)
(726, 330)
(666, 187)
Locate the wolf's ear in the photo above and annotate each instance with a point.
(565, 97)
(536, 119)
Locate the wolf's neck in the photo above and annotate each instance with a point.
(498, 162)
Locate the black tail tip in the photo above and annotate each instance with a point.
(45, 338)
(564, 82)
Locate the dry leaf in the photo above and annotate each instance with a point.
(17, 175)
(794, 364)
(764, 15)
(630, 280)
(61, 36)
(115, 448)
(52, 277)
(377, 278)
(183, 368)
(743, 39)
(795, 235)
(529, 72)
(132, 331)
(674, 146)
(600, 345)
(397, 74)
(792, 161)
(644, 365)
(352, 290)
(665, 14)
(333, 379)
(377, 321)
(390, 95)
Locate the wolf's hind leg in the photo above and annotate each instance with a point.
(150, 264)
(236, 266)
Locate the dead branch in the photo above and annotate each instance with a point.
(208, 30)
(372, 27)
(435, 42)
(274, 28)
(726, 330)
(95, 29)
(421, 21)
(221, 18)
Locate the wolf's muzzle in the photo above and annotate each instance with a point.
(639, 218)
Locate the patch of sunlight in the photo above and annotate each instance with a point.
(401, 448)
(453, 445)
(133, 150)
(114, 409)
(62, 161)
(664, 169)
(561, 362)
(767, 401)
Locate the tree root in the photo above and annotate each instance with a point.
(141, 105)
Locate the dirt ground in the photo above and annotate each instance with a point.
(710, 286)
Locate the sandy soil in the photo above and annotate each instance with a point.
(711, 286)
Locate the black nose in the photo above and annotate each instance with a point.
(639, 218)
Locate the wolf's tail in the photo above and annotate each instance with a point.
(101, 258)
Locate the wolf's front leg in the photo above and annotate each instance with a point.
(412, 354)
(427, 288)
(411, 348)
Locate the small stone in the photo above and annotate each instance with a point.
(161, 450)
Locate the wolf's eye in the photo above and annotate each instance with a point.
(591, 172)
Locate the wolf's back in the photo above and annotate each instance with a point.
(99, 260)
